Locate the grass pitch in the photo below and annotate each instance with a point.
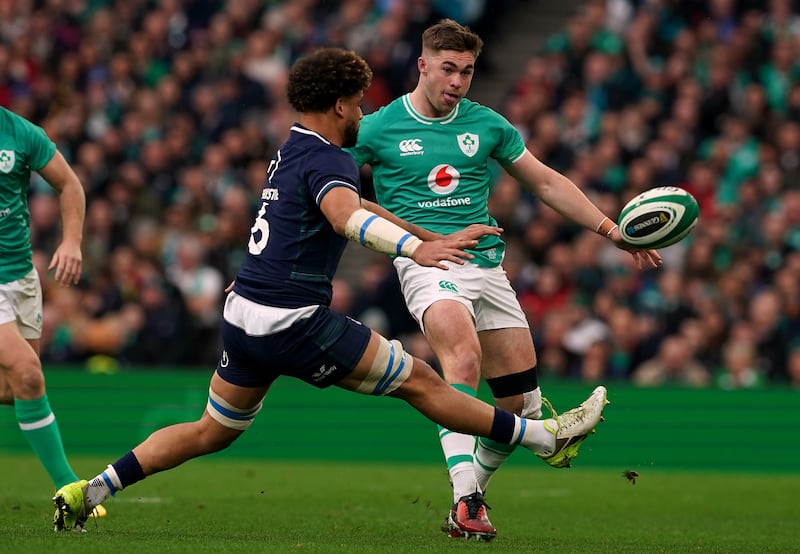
(218, 505)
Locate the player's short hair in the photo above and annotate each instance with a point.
(319, 79)
(448, 34)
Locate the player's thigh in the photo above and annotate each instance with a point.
(17, 355)
(450, 330)
(243, 398)
(503, 330)
(386, 369)
(230, 410)
(506, 351)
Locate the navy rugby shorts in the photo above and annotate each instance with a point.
(319, 349)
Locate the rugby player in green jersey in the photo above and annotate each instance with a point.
(24, 147)
(430, 153)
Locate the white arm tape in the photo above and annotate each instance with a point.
(379, 234)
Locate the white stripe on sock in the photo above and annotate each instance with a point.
(38, 424)
(111, 473)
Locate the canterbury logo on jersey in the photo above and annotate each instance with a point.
(411, 147)
(447, 285)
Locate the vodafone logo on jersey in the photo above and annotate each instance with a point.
(411, 147)
(443, 179)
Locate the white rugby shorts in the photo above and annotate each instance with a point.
(484, 291)
(21, 301)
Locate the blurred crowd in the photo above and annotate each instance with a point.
(168, 110)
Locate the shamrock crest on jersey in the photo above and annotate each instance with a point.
(7, 159)
(468, 143)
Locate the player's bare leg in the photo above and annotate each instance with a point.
(386, 366)
(22, 385)
(450, 331)
(229, 412)
(509, 366)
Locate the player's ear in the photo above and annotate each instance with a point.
(339, 107)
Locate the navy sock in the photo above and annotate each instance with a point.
(502, 426)
(128, 469)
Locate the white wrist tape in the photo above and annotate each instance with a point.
(379, 234)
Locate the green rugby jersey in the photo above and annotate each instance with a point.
(24, 147)
(434, 172)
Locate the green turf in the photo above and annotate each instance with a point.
(219, 505)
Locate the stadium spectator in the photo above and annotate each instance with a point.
(201, 287)
(674, 364)
(739, 368)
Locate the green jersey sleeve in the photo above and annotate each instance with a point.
(510, 145)
(24, 147)
(36, 143)
(363, 152)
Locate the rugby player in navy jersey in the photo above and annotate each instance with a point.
(277, 319)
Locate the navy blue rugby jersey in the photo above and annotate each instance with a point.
(293, 250)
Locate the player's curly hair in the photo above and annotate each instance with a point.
(316, 81)
(448, 34)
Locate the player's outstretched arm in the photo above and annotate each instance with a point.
(415, 230)
(473, 232)
(342, 208)
(561, 194)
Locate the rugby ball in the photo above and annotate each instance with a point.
(658, 217)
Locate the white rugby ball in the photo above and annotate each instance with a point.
(658, 217)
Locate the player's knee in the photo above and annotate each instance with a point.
(464, 368)
(229, 416)
(6, 394)
(422, 382)
(390, 369)
(518, 392)
(27, 380)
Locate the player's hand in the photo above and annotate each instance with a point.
(67, 261)
(432, 253)
(476, 231)
(640, 256)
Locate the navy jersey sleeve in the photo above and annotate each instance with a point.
(339, 170)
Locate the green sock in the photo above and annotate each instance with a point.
(38, 424)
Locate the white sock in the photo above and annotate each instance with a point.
(458, 449)
(101, 487)
(535, 436)
(463, 480)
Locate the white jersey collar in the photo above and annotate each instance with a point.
(428, 120)
(303, 130)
